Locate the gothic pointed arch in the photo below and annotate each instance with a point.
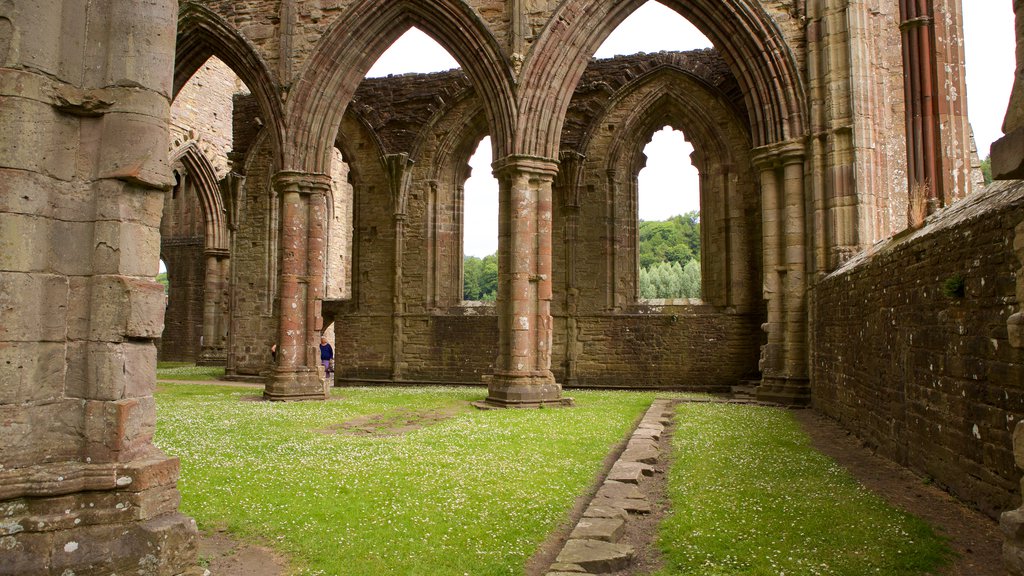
(359, 36)
(202, 34)
(746, 36)
(205, 182)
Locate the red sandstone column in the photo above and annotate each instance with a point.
(297, 375)
(522, 376)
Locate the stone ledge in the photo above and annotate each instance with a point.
(593, 546)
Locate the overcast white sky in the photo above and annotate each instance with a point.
(668, 186)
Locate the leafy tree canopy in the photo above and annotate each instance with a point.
(670, 257)
(480, 278)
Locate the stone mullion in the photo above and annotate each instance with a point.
(523, 376)
(609, 237)
(300, 288)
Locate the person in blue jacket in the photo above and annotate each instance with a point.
(326, 356)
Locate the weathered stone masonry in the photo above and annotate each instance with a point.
(814, 151)
(926, 375)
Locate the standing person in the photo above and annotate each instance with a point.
(326, 356)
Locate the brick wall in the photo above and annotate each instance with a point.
(931, 380)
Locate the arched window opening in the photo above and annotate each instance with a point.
(195, 241)
(668, 209)
(653, 27)
(162, 278)
(413, 52)
(480, 228)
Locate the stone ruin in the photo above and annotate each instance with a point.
(839, 195)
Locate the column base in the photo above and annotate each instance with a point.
(120, 519)
(508, 391)
(212, 357)
(785, 391)
(295, 386)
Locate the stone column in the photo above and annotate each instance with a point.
(298, 374)
(569, 177)
(522, 376)
(399, 168)
(84, 122)
(213, 352)
(771, 233)
(785, 358)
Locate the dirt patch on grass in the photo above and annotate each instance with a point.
(223, 555)
(395, 423)
(974, 538)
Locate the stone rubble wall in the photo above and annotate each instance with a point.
(929, 380)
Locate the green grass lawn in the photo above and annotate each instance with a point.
(187, 371)
(472, 494)
(751, 497)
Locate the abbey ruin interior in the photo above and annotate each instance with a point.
(237, 141)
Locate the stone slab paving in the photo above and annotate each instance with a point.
(593, 546)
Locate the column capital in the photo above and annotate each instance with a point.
(301, 182)
(522, 163)
(779, 154)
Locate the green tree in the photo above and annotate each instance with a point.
(162, 278)
(986, 169)
(480, 278)
(691, 280)
(471, 267)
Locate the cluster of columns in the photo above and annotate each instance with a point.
(938, 134)
(298, 374)
(784, 358)
(522, 375)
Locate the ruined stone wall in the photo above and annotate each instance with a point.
(929, 379)
(435, 337)
(648, 346)
(254, 270)
(202, 113)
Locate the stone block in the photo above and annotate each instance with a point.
(32, 307)
(595, 556)
(32, 372)
(612, 489)
(119, 431)
(604, 511)
(562, 568)
(25, 553)
(630, 505)
(125, 307)
(630, 472)
(1008, 156)
(125, 248)
(38, 433)
(640, 453)
(147, 474)
(37, 138)
(606, 529)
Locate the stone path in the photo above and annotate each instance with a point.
(594, 546)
